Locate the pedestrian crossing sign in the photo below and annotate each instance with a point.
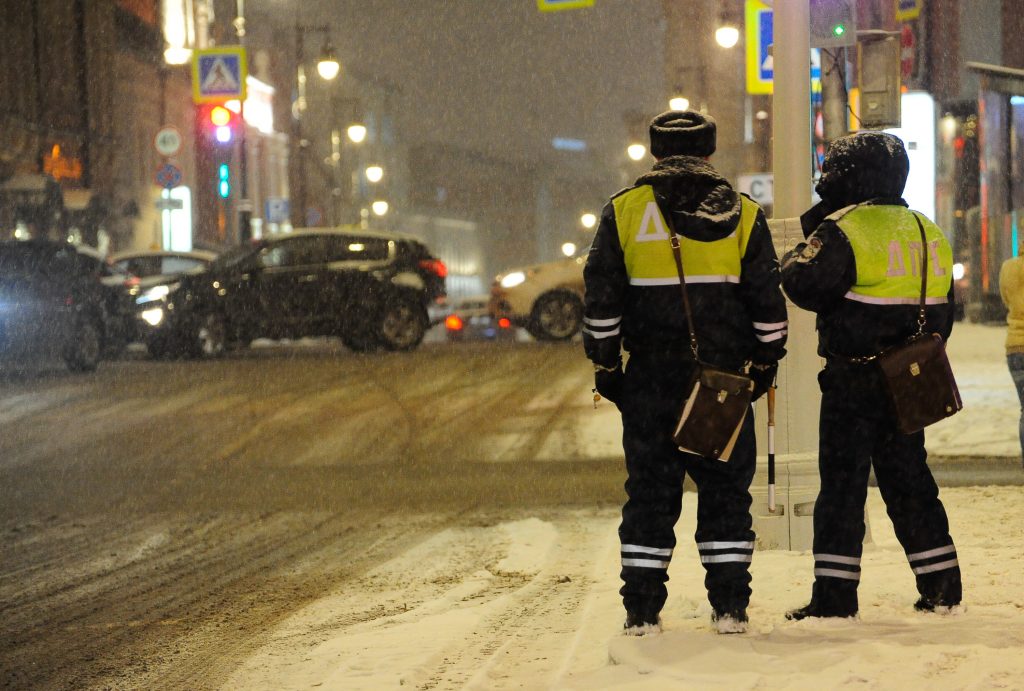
(219, 74)
(555, 5)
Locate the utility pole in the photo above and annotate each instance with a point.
(299, 212)
(834, 95)
(791, 154)
(244, 204)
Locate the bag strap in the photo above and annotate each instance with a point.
(924, 276)
(677, 255)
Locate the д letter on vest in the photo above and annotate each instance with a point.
(643, 235)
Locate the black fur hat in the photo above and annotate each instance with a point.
(682, 133)
(863, 166)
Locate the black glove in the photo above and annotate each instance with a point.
(608, 383)
(764, 378)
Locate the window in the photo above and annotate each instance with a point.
(354, 248)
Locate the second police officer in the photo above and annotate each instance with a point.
(860, 271)
(633, 303)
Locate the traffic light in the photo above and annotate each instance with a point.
(224, 180)
(219, 124)
(833, 23)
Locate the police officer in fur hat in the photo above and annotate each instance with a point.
(860, 271)
(633, 304)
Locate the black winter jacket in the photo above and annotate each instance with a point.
(735, 322)
(817, 275)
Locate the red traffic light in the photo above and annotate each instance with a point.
(219, 123)
(220, 116)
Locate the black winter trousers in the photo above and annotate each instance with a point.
(652, 397)
(858, 431)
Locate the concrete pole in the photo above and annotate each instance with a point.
(799, 398)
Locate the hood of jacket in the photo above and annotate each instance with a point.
(703, 204)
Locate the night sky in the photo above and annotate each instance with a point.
(499, 76)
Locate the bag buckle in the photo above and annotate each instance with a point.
(915, 369)
(722, 395)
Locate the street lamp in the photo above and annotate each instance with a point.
(569, 249)
(356, 133)
(679, 103)
(636, 151)
(328, 66)
(727, 35)
(588, 220)
(374, 173)
(380, 207)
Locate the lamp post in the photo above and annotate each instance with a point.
(328, 68)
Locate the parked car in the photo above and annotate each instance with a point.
(61, 299)
(371, 289)
(148, 264)
(471, 320)
(546, 299)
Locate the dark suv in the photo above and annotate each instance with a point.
(372, 289)
(60, 299)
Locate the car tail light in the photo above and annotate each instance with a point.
(504, 323)
(435, 266)
(132, 282)
(453, 322)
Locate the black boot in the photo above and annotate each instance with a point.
(641, 624)
(924, 604)
(733, 621)
(829, 598)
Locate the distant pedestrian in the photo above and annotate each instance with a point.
(860, 271)
(633, 302)
(1011, 287)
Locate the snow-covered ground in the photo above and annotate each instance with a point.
(543, 610)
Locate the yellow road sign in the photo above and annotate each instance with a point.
(759, 40)
(908, 9)
(555, 5)
(219, 74)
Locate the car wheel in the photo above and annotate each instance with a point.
(86, 347)
(359, 342)
(556, 316)
(402, 324)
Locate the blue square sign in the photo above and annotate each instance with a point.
(219, 74)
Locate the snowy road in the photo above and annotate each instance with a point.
(159, 518)
(302, 517)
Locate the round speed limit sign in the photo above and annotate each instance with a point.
(167, 141)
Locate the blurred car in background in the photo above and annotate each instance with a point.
(61, 299)
(370, 288)
(471, 320)
(546, 299)
(151, 264)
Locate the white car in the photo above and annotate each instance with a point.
(546, 299)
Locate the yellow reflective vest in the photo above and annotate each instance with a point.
(644, 237)
(888, 254)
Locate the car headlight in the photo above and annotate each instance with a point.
(156, 293)
(153, 316)
(513, 279)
